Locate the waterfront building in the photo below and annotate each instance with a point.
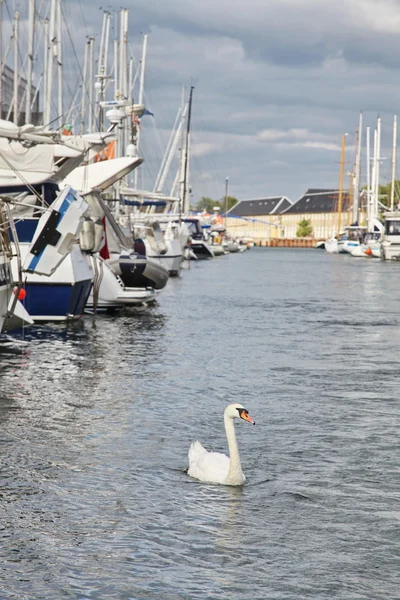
(320, 207)
(7, 94)
(267, 220)
(258, 218)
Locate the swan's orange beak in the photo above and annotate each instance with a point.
(246, 417)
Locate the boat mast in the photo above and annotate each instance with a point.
(171, 149)
(368, 148)
(341, 181)
(1, 58)
(31, 50)
(16, 32)
(83, 99)
(91, 78)
(58, 48)
(377, 168)
(357, 170)
(226, 199)
(184, 202)
(393, 162)
(45, 61)
(101, 76)
(140, 101)
(49, 90)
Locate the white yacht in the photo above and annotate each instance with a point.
(391, 236)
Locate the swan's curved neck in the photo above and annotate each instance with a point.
(235, 475)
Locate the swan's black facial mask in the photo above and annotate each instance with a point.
(244, 414)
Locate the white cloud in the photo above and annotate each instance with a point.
(276, 83)
(203, 149)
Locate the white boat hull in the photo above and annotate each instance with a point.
(109, 293)
(171, 260)
(62, 296)
(331, 246)
(217, 249)
(390, 251)
(347, 246)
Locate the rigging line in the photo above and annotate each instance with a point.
(83, 18)
(92, 107)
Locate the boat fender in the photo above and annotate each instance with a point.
(86, 236)
(159, 239)
(98, 235)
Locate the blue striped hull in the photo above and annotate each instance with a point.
(57, 301)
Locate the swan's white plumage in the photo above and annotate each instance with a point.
(214, 467)
(210, 467)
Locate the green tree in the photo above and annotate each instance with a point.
(385, 193)
(208, 204)
(231, 201)
(304, 228)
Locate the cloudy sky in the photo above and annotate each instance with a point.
(277, 84)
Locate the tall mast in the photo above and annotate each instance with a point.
(31, 51)
(84, 90)
(49, 90)
(123, 43)
(185, 202)
(140, 100)
(1, 58)
(377, 167)
(341, 181)
(45, 62)
(91, 77)
(226, 198)
(393, 162)
(368, 148)
(59, 63)
(357, 170)
(373, 185)
(102, 68)
(170, 150)
(116, 81)
(16, 32)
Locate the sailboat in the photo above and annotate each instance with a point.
(332, 244)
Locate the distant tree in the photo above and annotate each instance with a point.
(208, 204)
(231, 201)
(385, 193)
(304, 228)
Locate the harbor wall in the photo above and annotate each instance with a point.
(288, 243)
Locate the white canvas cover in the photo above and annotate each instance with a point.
(101, 175)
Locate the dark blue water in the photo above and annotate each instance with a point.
(97, 418)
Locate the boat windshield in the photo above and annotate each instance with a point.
(356, 233)
(372, 235)
(392, 227)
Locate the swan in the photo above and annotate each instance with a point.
(214, 467)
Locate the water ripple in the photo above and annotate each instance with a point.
(97, 418)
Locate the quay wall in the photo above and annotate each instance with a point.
(287, 243)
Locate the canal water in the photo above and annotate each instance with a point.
(97, 418)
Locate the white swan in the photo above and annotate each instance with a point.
(214, 467)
